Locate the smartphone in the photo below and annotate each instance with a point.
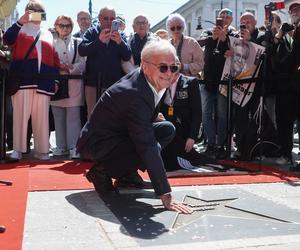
(37, 16)
(219, 22)
(243, 27)
(115, 25)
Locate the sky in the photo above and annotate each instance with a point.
(155, 10)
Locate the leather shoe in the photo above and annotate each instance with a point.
(131, 180)
(101, 181)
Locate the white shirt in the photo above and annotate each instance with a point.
(157, 95)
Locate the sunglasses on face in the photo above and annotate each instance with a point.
(178, 28)
(67, 26)
(163, 68)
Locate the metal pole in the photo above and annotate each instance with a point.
(221, 4)
(2, 125)
(90, 7)
(229, 112)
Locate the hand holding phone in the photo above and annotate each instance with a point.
(37, 16)
(115, 25)
(220, 22)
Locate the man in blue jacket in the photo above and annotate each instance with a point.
(104, 49)
(121, 134)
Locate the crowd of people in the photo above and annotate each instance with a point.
(138, 90)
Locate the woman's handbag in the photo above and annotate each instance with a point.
(15, 75)
(63, 84)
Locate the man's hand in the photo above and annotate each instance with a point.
(172, 205)
(25, 18)
(245, 34)
(104, 35)
(115, 36)
(160, 117)
(189, 144)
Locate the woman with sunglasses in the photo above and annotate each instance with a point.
(66, 112)
(188, 50)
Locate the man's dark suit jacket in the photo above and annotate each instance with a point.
(187, 108)
(126, 111)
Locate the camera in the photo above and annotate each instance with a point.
(219, 22)
(37, 16)
(115, 25)
(286, 27)
(243, 27)
(271, 7)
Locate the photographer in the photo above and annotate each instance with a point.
(216, 45)
(294, 11)
(104, 48)
(286, 92)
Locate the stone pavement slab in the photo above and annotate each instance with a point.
(260, 216)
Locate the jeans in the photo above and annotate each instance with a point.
(67, 126)
(214, 116)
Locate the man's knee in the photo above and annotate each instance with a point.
(164, 132)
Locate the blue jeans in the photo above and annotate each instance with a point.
(67, 126)
(214, 116)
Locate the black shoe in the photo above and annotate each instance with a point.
(295, 168)
(221, 153)
(131, 180)
(101, 181)
(210, 151)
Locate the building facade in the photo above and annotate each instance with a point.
(206, 11)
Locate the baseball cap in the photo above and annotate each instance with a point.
(226, 11)
(294, 6)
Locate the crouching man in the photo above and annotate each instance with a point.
(121, 134)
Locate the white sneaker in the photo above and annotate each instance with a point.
(42, 156)
(282, 160)
(60, 151)
(74, 154)
(16, 155)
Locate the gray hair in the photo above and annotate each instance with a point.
(157, 47)
(35, 5)
(109, 8)
(175, 17)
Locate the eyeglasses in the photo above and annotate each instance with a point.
(67, 26)
(163, 68)
(178, 28)
(107, 18)
(141, 23)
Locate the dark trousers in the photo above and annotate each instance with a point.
(286, 114)
(124, 158)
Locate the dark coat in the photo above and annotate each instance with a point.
(187, 108)
(126, 111)
(104, 58)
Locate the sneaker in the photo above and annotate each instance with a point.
(16, 155)
(131, 180)
(74, 154)
(100, 179)
(60, 151)
(282, 160)
(41, 156)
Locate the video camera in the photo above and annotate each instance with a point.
(272, 6)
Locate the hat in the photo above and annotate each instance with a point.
(226, 11)
(294, 6)
(121, 19)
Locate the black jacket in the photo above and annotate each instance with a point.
(126, 111)
(187, 108)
